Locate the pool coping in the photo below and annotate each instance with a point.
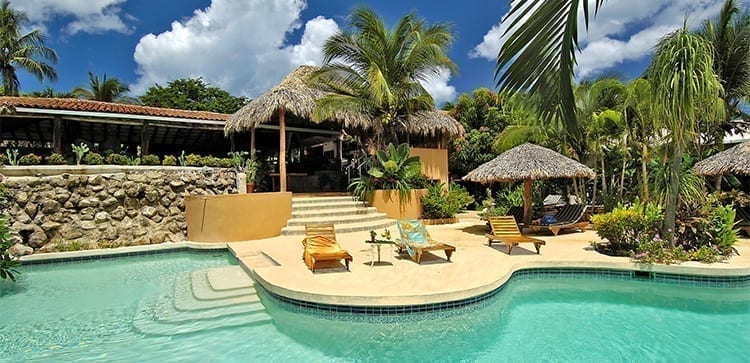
(104, 253)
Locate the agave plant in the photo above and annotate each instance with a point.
(390, 169)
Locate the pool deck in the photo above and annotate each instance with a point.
(475, 268)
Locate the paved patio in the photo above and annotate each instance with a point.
(475, 268)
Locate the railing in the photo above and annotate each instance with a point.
(354, 169)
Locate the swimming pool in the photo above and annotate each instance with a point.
(94, 311)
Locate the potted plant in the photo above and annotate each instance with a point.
(251, 168)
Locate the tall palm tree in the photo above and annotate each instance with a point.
(642, 125)
(540, 53)
(685, 90)
(22, 51)
(105, 89)
(377, 71)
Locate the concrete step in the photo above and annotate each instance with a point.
(228, 278)
(344, 228)
(184, 299)
(326, 206)
(319, 200)
(166, 313)
(337, 220)
(202, 289)
(333, 212)
(147, 322)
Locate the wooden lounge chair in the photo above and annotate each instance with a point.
(517, 213)
(569, 217)
(415, 240)
(320, 245)
(743, 218)
(505, 230)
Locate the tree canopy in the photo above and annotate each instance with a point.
(193, 94)
(104, 89)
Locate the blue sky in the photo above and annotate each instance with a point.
(247, 46)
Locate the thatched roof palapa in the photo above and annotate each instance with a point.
(299, 98)
(735, 160)
(528, 161)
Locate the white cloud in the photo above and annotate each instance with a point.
(236, 45)
(88, 16)
(624, 30)
(438, 87)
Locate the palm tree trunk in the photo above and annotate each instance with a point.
(644, 174)
(717, 183)
(604, 179)
(670, 213)
(622, 175)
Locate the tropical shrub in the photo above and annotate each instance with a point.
(3, 159)
(251, 170)
(117, 159)
(150, 160)
(93, 159)
(12, 156)
(30, 159)
(79, 151)
(193, 160)
(169, 160)
(390, 169)
(210, 161)
(444, 202)
(226, 163)
(56, 159)
(8, 264)
(625, 227)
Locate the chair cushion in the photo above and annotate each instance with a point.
(412, 231)
(548, 219)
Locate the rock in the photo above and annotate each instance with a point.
(110, 233)
(68, 233)
(108, 202)
(174, 211)
(132, 213)
(148, 211)
(96, 188)
(176, 184)
(118, 214)
(61, 195)
(21, 198)
(88, 225)
(37, 239)
(137, 177)
(151, 195)
(87, 214)
(51, 226)
(74, 199)
(21, 216)
(140, 231)
(157, 218)
(30, 209)
(96, 180)
(18, 250)
(23, 227)
(134, 191)
(101, 217)
(164, 212)
(198, 191)
(88, 202)
(131, 203)
(50, 206)
(142, 240)
(119, 194)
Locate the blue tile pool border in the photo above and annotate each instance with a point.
(123, 254)
(362, 312)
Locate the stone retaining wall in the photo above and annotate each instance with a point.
(106, 210)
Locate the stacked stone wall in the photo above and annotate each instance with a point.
(53, 213)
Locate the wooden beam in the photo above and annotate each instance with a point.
(527, 201)
(231, 142)
(57, 134)
(144, 138)
(282, 149)
(252, 142)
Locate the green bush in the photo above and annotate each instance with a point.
(169, 160)
(441, 202)
(625, 227)
(721, 228)
(8, 264)
(56, 159)
(30, 159)
(194, 160)
(150, 160)
(93, 159)
(210, 161)
(226, 163)
(390, 169)
(3, 159)
(117, 159)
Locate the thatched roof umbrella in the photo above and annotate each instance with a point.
(434, 123)
(528, 162)
(735, 160)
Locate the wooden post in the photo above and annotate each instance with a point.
(144, 138)
(282, 149)
(57, 131)
(527, 201)
(252, 142)
(231, 142)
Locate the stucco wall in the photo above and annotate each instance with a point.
(388, 202)
(434, 162)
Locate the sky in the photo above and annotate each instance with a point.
(248, 46)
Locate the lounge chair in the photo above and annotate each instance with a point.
(743, 218)
(505, 230)
(568, 217)
(517, 213)
(320, 245)
(415, 240)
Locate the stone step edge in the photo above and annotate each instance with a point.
(300, 231)
(320, 199)
(202, 289)
(334, 212)
(336, 219)
(152, 327)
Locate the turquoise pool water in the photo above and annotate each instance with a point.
(86, 311)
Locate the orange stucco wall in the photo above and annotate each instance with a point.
(388, 202)
(434, 162)
(236, 217)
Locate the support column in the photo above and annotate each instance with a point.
(144, 138)
(252, 142)
(231, 142)
(57, 133)
(527, 201)
(282, 149)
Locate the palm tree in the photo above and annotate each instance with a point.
(377, 71)
(540, 53)
(22, 51)
(685, 90)
(642, 125)
(106, 90)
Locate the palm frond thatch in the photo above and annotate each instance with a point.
(735, 160)
(434, 123)
(528, 161)
(295, 96)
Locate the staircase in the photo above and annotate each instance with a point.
(346, 214)
(203, 300)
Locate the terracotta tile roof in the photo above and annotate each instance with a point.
(73, 104)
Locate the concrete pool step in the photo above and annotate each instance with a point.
(185, 301)
(203, 290)
(166, 312)
(145, 322)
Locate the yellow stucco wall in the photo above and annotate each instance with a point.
(388, 203)
(434, 162)
(236, 217)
